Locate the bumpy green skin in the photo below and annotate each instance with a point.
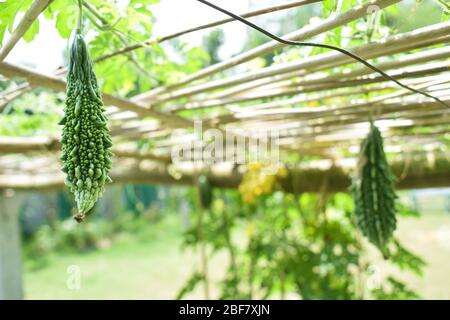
(374, 193)
(86, 141)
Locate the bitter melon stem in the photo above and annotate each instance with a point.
(80, 17)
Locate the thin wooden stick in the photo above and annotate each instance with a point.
(32, 14)
(10, 95)
(242, 89)
(317, 62)
(421, 175)
(204, 261)
(325, 46)
(216, 23)
(304, 33)
(44, 144)
(36, 79)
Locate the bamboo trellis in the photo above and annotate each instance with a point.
(319, 106)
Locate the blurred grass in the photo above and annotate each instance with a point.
(149, 264)
(429, 237)
(153, 266)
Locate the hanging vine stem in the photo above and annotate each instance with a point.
(229, 244)
(92, 14)
(321, 206)
(251, 266)
(149, 43)
(80, 17)
(286, 238)
(320, 45)
(297, 195)
(201, 240)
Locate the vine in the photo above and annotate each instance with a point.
(278, 247)
(325, 46)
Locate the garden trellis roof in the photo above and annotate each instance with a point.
(306, 100)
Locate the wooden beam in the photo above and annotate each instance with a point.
(45, 144)
(36, 79)
(216, 23)
(430, 170)
(27, 144)
(304, 33)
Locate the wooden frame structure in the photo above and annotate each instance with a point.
(308, 101)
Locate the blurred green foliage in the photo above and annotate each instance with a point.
(8, 12)
(307, 244)
(109, 27)
(284, 243)
(33, 114)
(66, 236)
(212, 43)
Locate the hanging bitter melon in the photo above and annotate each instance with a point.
(85, 141)
(374, 193)
(206, 191)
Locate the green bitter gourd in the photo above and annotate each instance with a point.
(86, 141)
(374, 193)
(205, 189)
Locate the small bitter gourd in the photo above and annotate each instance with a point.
(374, 193)
(86, 141)
(206, 192)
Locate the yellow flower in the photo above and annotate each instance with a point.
(254, 166)
(282, 172)
(267, 187)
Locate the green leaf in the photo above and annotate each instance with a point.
(8, 12)
(406, 211)
(190, 285)
(66, 13)
(32, 31)
(406, 259)
(396, 290)
(328, 7)
(49, 13)
(66, 21)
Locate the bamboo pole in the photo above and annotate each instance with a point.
(316, 62)
(277, 106)
(410, 39)
(347, 115)
(45, 144)
(427, 170)
(36, 79)
(402, 61)
(288, 5)
(231, 103)
(304, 33)
(10, 95)
(227, 118)
(52, 82)
(239, 89)
(323, 110)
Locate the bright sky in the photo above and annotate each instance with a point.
(45, 52)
